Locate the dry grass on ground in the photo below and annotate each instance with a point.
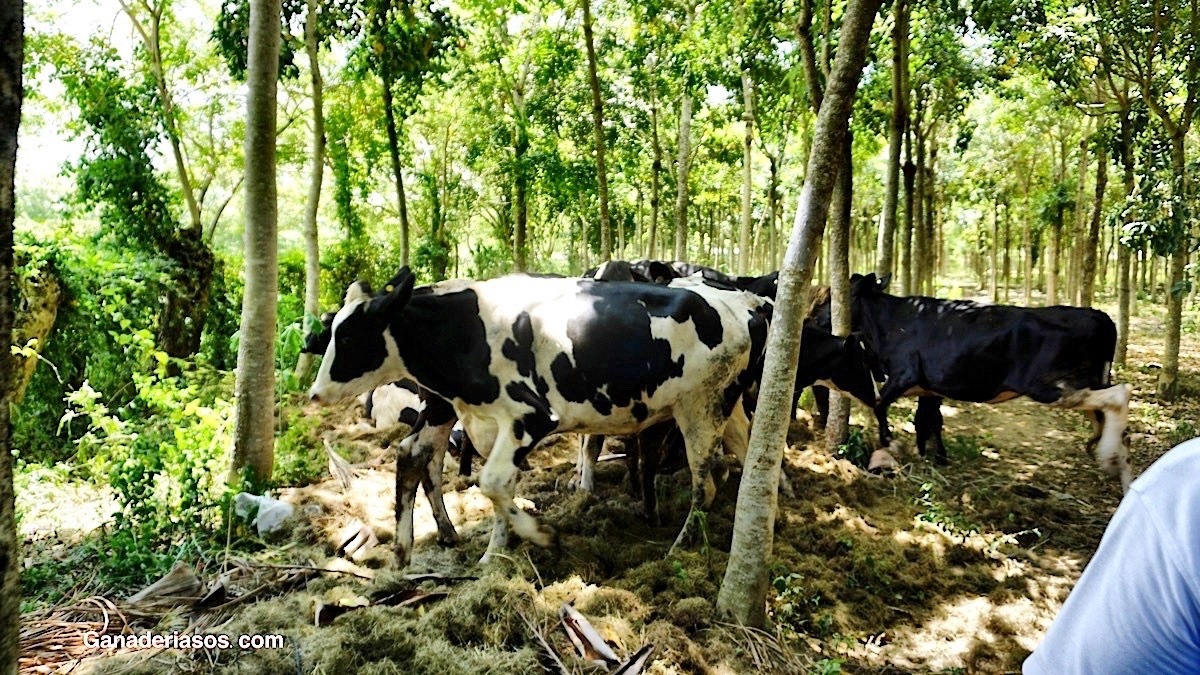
(958, 569)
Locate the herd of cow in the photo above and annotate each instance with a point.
(669, 355)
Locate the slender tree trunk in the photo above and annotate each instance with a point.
(1052, 256)
(744, 590)
(1124, 292)
(837, 424)
(312, 252)
(1027, 246)
(747, 173)
(906, 249)
(994, 252)
(655, 178)
(254, 446)
(598, 125)
(681, 186)
(12, 59)
(887, 230)
(521, 201)
(1168, 378)
(1008, 269)
(1087, 283)
(920, 245)
(397, 171)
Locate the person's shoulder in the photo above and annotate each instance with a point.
(1180, 465)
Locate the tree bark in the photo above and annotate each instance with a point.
(655, 177)
(887, 231)
(521, 201)
(12, 59)
(744, 590)
(393, 135)
(1124, 254)
(598, 125)
(747, 173)
(681, 186)
(254, 445)
(906, 248)
(1087, 281)
(837, 424)
(312, 251)
(994, 252)
(1168, 378)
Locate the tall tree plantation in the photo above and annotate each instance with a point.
(197, 182)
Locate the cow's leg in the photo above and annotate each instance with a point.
(1112, 451)
(821, 396)
(1097, 419)
(702, 438)
(928, 422)
(633, 460)
(410, 470)
(652, 450)
(585, 466)
(432, 483)
(498, 480)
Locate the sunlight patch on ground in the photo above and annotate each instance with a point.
(50, 506)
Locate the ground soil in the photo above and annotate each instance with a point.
(949, 569)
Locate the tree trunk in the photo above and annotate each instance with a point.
(887, 230)
(1124, 254)
(254, 445)
(598, 125)
(521, 202)
(1007, 255)
(1168, 378)
(1053, 254)
(1087, 281)
(12, 58)
(744, 590)
(743, 256)
(837, 424)
(1027, 245)
(920, 252)
(312, 252)
(930, 214)
(906, 248)
(393, 135)
(655, 178)
(994, 253)
(681, 186)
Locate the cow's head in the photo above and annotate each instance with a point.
(868, 285)
(362, 352)
(861, 371)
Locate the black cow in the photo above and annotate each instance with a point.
(963, 350)
(521, 357)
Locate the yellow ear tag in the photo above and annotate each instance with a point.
(389, 288)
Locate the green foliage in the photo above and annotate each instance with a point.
(937, 513)
(857, 448)
(111, 308)
(299, 457)
(965, 446)
(120, 120)
(799, 609)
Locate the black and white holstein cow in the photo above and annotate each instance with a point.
(419, 457)
(520, 357)
(958, 349)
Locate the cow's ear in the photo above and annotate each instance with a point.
(660, 272)
(855, 278)
(883, 282)
(357, 292)
(396, 293)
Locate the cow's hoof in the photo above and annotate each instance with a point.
(545, 536)
(448, 540)
(882, 463)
